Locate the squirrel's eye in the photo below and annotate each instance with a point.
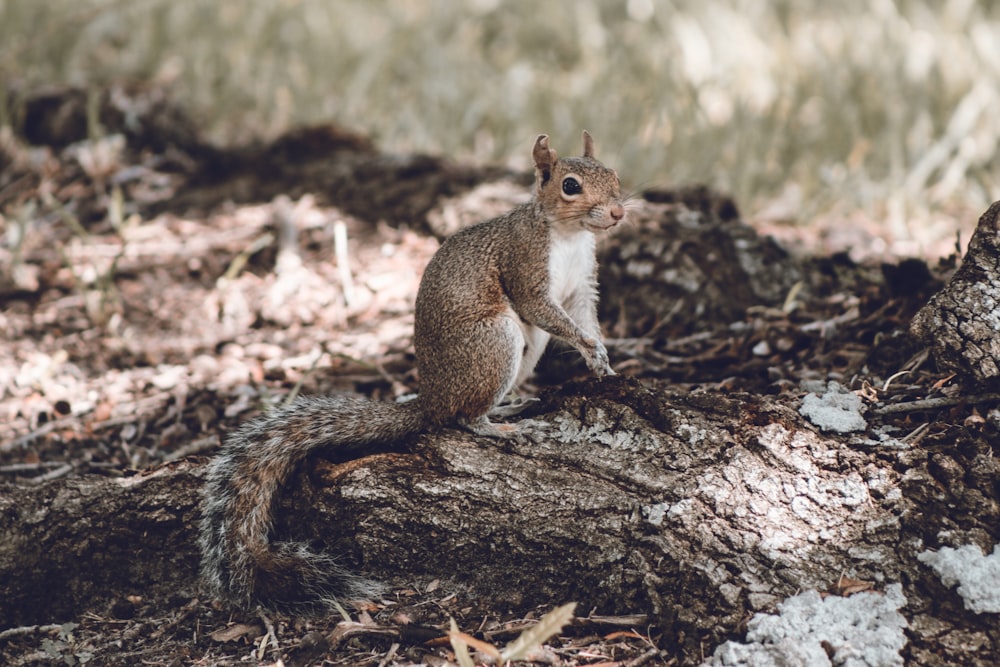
(571, 186)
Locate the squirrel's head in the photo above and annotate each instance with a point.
(576, 191)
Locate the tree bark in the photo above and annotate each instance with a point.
(961, 323)
(695, 509)
(76, 543)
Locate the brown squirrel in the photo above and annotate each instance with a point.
(488, 302)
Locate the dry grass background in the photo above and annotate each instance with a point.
(859, 122)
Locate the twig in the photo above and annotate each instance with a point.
(789, 305)
(61, 471)
(28, 467)
(37, 433)
(196, 447)
(649, 655)
(628, 621)
(346, 629)
(343, 265)
(823, 325)
(270, 638)
(236, 266)
(390, 655)
(932, 403)
(916, 435)
(885, 387)
(288, 261)
(28, 630)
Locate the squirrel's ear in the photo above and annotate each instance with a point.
(588, 144)
(544, 157)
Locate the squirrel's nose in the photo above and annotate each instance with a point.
(617, 212)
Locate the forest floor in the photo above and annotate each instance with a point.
(156, 292)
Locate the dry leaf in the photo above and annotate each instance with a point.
(943, 381)
(974, 420)
(235, 632)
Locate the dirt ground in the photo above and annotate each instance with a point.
(155, 292)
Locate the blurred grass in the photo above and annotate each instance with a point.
(798, 108)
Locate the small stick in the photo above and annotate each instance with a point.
(37, 433)
(646, 657)
(343, 265)
(271, 637)
(236, 266)
(196, 447)
(61, 471)
(28, 467)
(885, 387)
(28, 630)
(931, 403)
(390, 655)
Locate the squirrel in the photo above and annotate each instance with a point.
(489, 300)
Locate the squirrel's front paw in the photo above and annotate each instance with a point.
(599, 362)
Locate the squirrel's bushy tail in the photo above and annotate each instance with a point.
(239, 562)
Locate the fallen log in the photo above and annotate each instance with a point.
(693, 509)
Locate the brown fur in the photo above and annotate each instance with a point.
(488, 302)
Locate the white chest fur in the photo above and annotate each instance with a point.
(571, 263)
